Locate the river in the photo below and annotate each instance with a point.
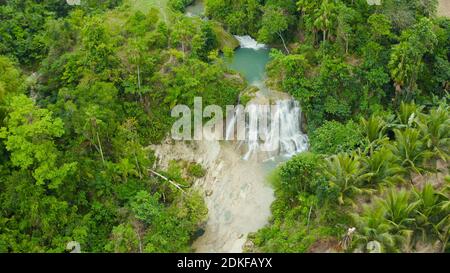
(240, 195)
(237, 193)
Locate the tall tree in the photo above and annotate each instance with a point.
(274, 24)
(407, 57)
(30, 135)
(325, 18)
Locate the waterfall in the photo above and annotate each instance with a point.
(270, 131)
(292, 139)
(248, 42)
(265, 133)
(254, 113)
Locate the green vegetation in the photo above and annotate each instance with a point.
(196, 170)
(334, 137)
(86, 90)
(74, 158)
(390, 190)
(373, 83)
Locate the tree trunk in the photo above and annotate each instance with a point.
(140, 242)
(100, 148)
(315, 37)
(284, 43)
(346, 46)
(139, 77)
(168, 180)
(139, 82)
(138, 166)
(309, 217)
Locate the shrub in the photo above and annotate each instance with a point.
(196, 170)
(299, 174)
(334, 137)
(179, 5)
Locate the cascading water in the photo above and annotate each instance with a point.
(270, 132)
(292, 139)
(248, 42)
(236, 190)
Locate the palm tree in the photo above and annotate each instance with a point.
(374, 130)
(433, 213)
(399, 210)
(383, 168)
(394, 221)
(435, 127)
(407, 114)
(430, 201)
(307, 9)
(442, 230)
(345, 174)
(325, 17)
(372, 226)
(410, 150)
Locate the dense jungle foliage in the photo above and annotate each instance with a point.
(85, 90)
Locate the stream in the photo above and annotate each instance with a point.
(236, 188)
(241, 196)
(195, 9)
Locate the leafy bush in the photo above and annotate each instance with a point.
(300, 174)
(196, 170)
(334, 137)
(403, 220)
(179, 5)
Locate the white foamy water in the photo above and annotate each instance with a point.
(248, 42)
(237, 193)
(270, 131)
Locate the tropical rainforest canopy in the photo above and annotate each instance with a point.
(86, 89)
